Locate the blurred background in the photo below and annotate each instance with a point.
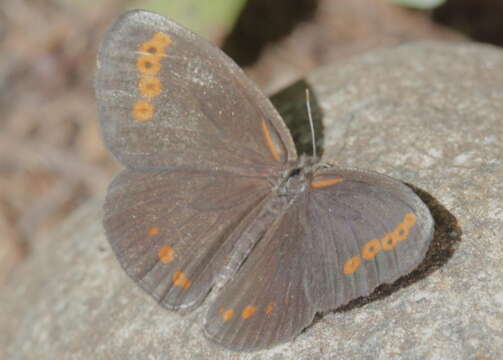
(51, 154)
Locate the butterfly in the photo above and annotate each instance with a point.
(214, 198)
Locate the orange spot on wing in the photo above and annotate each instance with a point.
(166, 254)
(389, 241)
(143, 110)
(154, 230)
(409, 219)
(371, 249)
(269, 309)
(248, 312)
(326, 182)
(149, 86)
(152, 47)
(148, 64)
(162, 38)
(227, 314)
(351, 265)
(179, 279)
(401, 232)
(269, 142)
(156, 45)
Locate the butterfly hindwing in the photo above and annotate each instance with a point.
(170, 100)
(171, 230)
(349, 232)
(266, 303)
(366, 229)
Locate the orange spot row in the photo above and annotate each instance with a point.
(247, 312)
(388, 242)
(148, 64)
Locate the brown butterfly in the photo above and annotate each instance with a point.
(214, 196)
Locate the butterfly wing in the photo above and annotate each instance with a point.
(365, 229)
(199, 141)
(172, 230)
(168, 99)
(267, 302)
(351, 231)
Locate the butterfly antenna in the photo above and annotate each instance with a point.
(311, 123)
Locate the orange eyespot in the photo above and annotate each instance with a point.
(371, 249)
(143, 110)
(389, 242)
(401, 232)
(409, 219)
(162, 39)
(152, 47)
(148, 64)
(149, 86)
(352, 265)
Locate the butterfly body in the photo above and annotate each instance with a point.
(214, 196)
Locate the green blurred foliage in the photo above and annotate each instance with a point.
(419, 4)
(211, 19)
(208, 18)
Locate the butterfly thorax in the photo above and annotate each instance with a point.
(297, 178)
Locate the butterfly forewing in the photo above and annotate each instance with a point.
(366, 229)
(170, 100)
(168, 233)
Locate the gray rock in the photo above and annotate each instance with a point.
(430, 114)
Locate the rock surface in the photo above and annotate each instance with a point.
(430, 114)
